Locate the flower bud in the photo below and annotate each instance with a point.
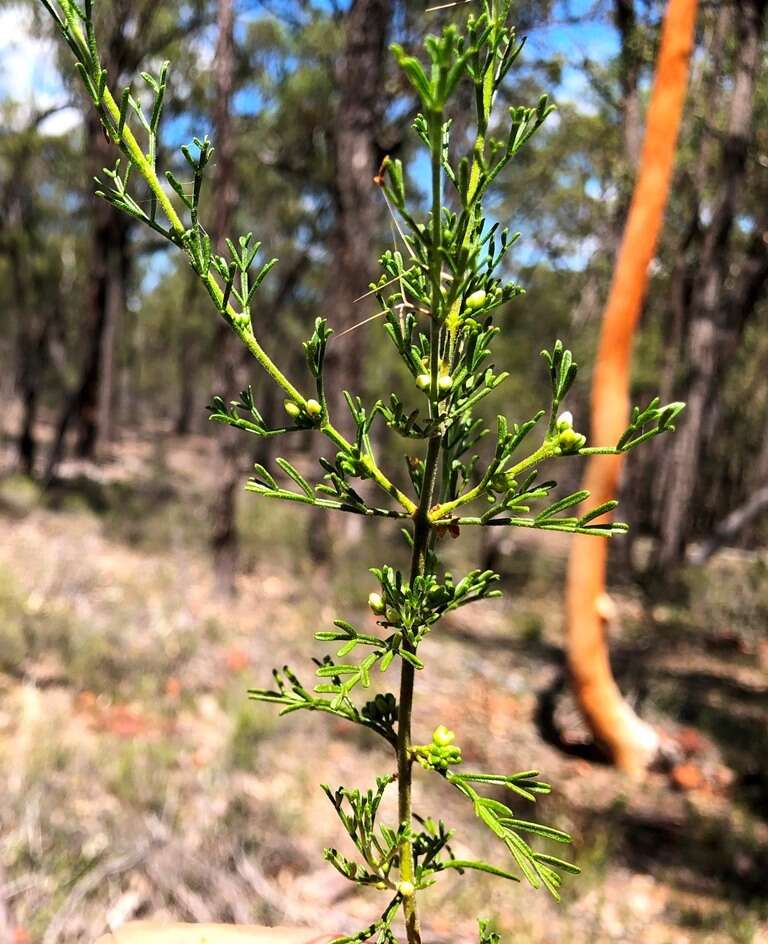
(406, 889)
(444, 383)
(313, 407)
(376, 603)
(443, 736)
(476, 299)
(438, 595)
(291, 408)
(423, 381)
(392, 615)
(501, 482)
(571, 441)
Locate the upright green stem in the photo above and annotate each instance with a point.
(421, 535)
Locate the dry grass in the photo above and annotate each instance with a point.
(139, 781)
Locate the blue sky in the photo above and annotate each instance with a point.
(28, 73)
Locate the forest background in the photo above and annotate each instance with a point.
(142, 591)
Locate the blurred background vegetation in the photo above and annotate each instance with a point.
(141, 590)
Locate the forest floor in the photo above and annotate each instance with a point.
(139, 781)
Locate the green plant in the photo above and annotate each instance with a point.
(437, 295)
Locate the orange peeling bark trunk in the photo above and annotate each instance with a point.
(630, 742)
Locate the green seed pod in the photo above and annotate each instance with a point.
(314, 408)
(392, 615)
(376, 603)
(291, 409)
(476, 300)
(423, 381)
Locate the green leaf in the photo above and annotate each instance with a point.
(297, 477)
(575, 498)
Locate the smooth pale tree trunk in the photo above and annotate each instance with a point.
(630, 742)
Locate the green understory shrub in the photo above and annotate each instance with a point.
(438, 291)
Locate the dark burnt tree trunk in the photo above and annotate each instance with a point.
(718, 294)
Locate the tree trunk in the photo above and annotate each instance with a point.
(629, 741)
(89, 406)
(359, 116)
(187, 360)
(33, 303)
(718, 314)
(29, 352)
(229, 355)
(107, 292)
(360, 79)
(629, 77)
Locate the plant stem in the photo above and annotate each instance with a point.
(421, 534)
(547, 449)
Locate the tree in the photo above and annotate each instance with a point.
(721, 279)
(228, 353)
(136, 31)
(356, 156)
(33, 278)
(629, 740)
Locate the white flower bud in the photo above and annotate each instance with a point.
(476, 300)
(376, 603)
